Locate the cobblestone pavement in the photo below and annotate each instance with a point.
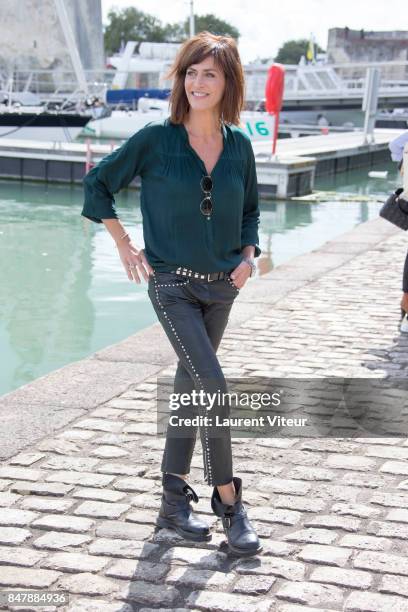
(77, 509)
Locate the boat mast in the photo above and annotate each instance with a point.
(71, 44)
(192, 24)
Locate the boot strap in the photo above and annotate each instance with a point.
(239, 517)
(191, 494)
(227, 520)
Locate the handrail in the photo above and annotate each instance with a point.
(310, 79)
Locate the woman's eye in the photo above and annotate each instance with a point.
(191, 74)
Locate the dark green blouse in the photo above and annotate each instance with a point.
(175, 231)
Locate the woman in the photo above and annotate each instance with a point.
(397, 146)
(199, 203)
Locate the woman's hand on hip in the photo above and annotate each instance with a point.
(134, 262)
(404, 302)
(241, 274)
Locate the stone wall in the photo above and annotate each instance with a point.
(32, 37)
(346, 46)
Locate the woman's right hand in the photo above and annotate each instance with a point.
(404, 302)
(134, 262)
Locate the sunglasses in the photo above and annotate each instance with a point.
(206, 206)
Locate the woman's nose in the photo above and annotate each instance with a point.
(197, 81)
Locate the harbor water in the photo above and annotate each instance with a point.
(65, 293)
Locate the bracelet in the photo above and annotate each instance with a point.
(121, 237)
(251, 263)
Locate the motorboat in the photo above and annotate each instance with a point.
(123, 123)
(28, 118)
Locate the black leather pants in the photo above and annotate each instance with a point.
(194, 314)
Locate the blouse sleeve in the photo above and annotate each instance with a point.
(114, 172)
(250, 219)
(397, 145)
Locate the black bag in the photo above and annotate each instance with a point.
(395, 210)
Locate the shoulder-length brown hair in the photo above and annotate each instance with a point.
(226, 57)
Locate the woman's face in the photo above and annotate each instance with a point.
(205, 78)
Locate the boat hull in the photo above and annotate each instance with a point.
(122, 124)
(61, 127)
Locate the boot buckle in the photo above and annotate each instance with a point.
(227, 520)
(190, 493)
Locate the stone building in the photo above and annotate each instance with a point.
(347, 46)
(32, 37)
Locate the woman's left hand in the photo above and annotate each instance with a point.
(404, 302)
(241, 274)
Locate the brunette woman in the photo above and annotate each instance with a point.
(199, 203)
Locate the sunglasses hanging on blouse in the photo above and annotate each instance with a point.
(206, 206)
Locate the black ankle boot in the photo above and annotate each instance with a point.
(241, 536)
(176, 511)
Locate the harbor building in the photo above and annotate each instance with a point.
(346, 46)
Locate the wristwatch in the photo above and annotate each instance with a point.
(251, 263)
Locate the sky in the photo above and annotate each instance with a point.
(265, 25)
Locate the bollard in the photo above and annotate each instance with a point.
(88, 161)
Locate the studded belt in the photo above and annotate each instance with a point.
(210, 276)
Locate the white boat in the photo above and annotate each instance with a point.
(327, 91)
(123, 123)
(395, 119)
(37, 123)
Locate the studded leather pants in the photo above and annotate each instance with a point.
(194, 314)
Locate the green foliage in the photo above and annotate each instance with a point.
(132, 24)
(212, 24)
(292, 50)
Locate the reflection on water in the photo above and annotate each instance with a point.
(65, 294)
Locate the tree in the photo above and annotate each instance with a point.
(292, 50)
(132, 24)
(211, 23)
(174, 33)
(179, 32)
